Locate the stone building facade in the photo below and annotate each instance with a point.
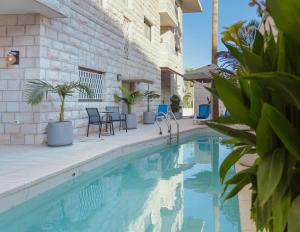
(122, 42)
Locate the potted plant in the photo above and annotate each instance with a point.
(149, 117)
(59, 133)
(130, 98)
(175, 106)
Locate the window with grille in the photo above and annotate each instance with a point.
(147, 29)
(126, 29)
(93, 79)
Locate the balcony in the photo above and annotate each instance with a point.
(191, 6)
(169, 59)
(168, 13)
(48, 8)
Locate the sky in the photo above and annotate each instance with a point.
(197, 29)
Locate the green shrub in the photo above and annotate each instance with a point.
(175, 103)
(266, 98)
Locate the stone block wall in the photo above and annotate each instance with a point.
(19, 123)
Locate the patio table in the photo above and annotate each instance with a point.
(107, 116)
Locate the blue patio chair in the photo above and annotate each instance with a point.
(162, 109)
(202, 114)
(226, 114)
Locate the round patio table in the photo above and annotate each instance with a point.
(107, 116)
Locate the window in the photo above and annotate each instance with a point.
(147, 29)
(126, 30)
(93, 79)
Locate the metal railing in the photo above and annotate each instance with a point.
(167, 119)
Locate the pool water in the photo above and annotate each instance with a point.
(161, 189)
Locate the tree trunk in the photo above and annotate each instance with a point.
(214, 50)
(62, 110)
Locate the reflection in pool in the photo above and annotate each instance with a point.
(166, 189)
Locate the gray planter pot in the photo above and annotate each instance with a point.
(60, 134)
(148, 117)
(178, 115)
(131, 121)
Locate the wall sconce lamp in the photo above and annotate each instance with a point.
(119, 77)
(13, 58)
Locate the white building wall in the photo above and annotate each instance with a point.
(91, 36)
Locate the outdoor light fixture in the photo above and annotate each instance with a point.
(119, 77)
(12, 58)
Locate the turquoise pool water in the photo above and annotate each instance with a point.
(158, 189)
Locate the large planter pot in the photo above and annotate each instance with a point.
(131, 121)
(148, 117)
(60, 134)
(178, 115)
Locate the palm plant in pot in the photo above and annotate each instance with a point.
(149, 117)
(59, 133)
(130, 98)
(265, 97)
(175, 106)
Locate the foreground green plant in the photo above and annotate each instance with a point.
(36, 91)
(266, 98)
(130, 98)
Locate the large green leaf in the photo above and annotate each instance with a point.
(264, 136)
(235, 52)
(239, 186)
(269, 174)
(258, 43)
(230, 160)
(253, 62)
(286, 83)
(286, 15)
(294, 216)
(280, 208)
(233, 99)
(256, 96)
(286, 132)
(243, 136)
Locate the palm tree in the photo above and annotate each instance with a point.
(150, 95)
(239, 34)
(214, 50)
(36, 90)
(129, 97)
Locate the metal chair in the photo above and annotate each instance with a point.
(96, 119)
(116, 116)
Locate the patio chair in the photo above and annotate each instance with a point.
(96, 119)
(203, 113)
(162, 109)
(226, 114)
(116, 116)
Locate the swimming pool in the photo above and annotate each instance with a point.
(174, 188)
